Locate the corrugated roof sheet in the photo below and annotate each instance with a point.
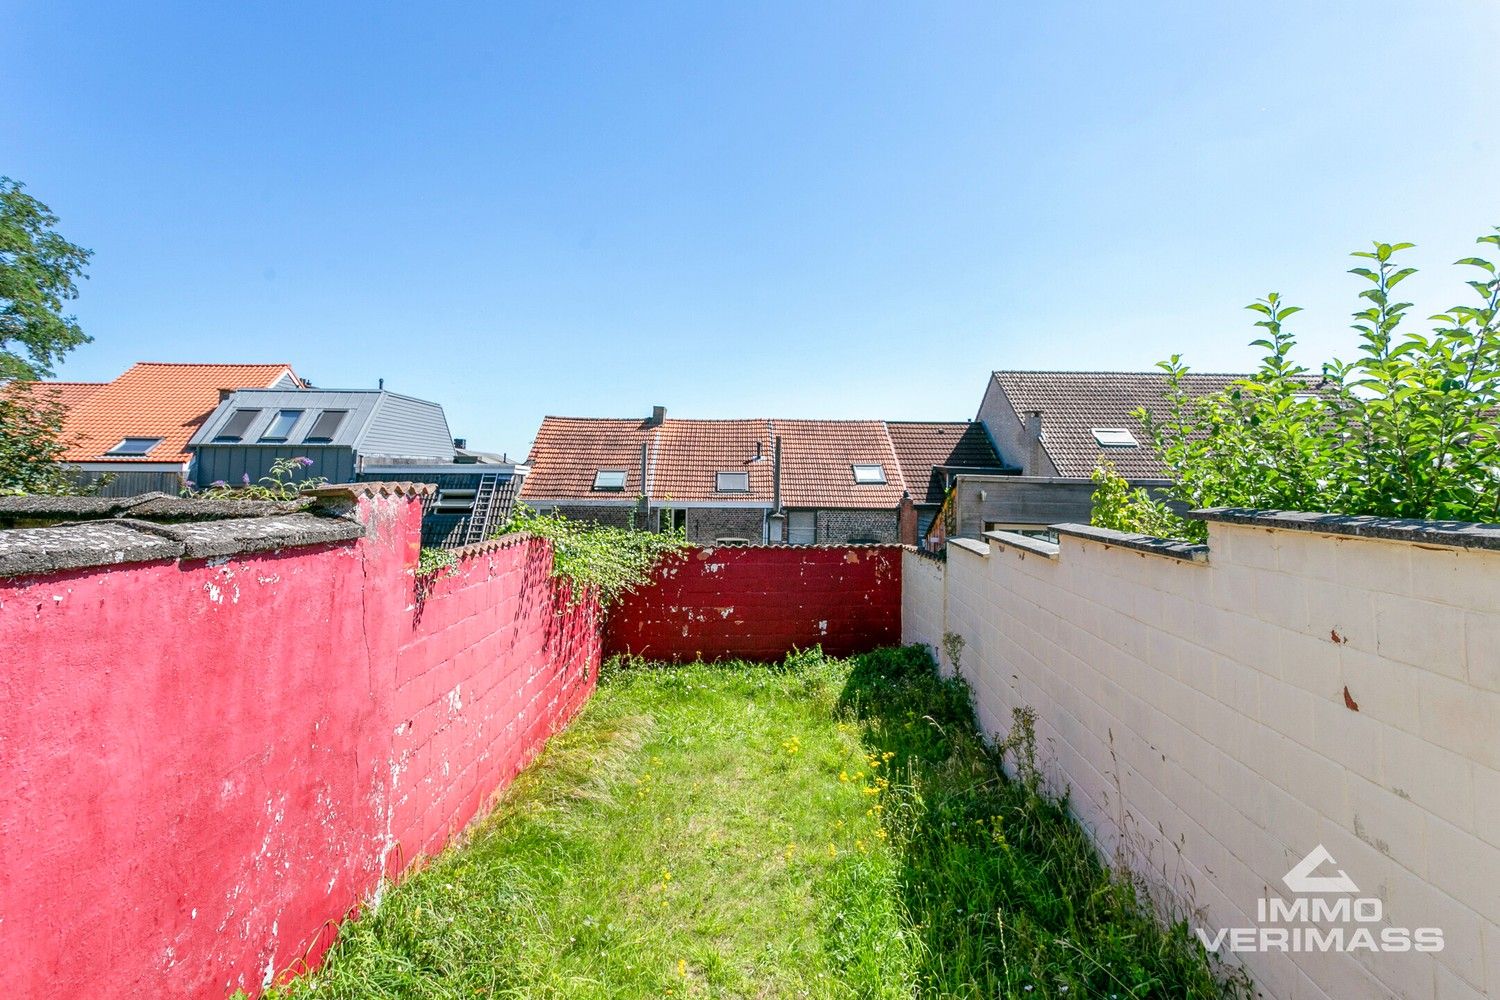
(152, 400)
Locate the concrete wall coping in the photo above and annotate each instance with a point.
(113, 541)
(1169, 547)
(1026, 543)
(970, 545)
(1461, 534)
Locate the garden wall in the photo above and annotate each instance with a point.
(210, 755)
(759, 602)
(1218, 712)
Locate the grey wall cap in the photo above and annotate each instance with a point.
(1169, 547)
(207, 539)
(1462, 534)
(1026, 543)
(146, 506)
(35, 551)
(103, 543)
(970, 545)
(372, 489)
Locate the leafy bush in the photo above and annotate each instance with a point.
(608, 562)
(281, 484)
(1407, 429)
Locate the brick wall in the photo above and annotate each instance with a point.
(840, 527)
(705, 525)
(1216, 719)
(208, 761)
(760, 602)
(615, 517)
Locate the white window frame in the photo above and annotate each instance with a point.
(1114, 437)
(122, 451)
(604, 486)
(864, 477)
(743, 477)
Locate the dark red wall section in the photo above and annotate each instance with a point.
(760, 602)
(205, 765)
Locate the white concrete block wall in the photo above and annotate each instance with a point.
(1214, 721)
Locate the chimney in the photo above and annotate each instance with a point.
(1034, 455)
(658, 414)
(776, 475)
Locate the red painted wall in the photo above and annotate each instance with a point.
(205, 764)
(760, 602)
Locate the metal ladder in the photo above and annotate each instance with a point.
(484, 507)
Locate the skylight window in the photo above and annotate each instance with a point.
(281, 425)
(134, 446)
(609, 479)
(869, 475)
(1115, 437)
(235, 427)
(732, 482)
(326, 426)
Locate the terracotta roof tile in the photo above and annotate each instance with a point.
(685, 456)
(152, 399)
(922, 447)
(817, 460)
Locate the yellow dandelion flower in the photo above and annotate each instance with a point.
(682, 967)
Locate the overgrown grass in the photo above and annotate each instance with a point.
(820, 828)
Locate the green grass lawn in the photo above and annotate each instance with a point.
(820, 828)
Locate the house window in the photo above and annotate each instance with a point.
(235, 427)
(669, 519)
(609, 479)
(869, 475)
(326, 426)
(134, 446)
(732, 482)
(1114, 437)
(281, 425)
(802, 527)
(454, 502)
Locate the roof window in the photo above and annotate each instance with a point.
(869, 475)
(326, 426)
(1115, 437)
(281, 425)
(609, 479)
(235, 427)
(732, 482)
(134, 446)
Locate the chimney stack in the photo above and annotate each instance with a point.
(1034, 454)
(658, 414)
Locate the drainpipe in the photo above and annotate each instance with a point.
(643, 505)
(1035, 457)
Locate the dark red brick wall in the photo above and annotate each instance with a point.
(760, 602)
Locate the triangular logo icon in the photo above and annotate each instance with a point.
(1302, 880)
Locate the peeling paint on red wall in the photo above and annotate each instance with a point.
(207, 764)
(760, 602)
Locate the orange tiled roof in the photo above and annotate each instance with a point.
(683, 458)
(153, 400)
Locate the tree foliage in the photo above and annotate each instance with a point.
(31, 441)
(39, 271)
(1406, 429)
(609, 562)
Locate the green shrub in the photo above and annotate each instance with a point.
(1406, 429)
(594, 558)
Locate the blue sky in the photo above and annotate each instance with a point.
(740, 210)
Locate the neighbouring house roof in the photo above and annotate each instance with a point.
(684, 459)
(380, 424)
(817, 457)
(151, 400)
(924, 448)
(1074, 404)
(69, 395)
